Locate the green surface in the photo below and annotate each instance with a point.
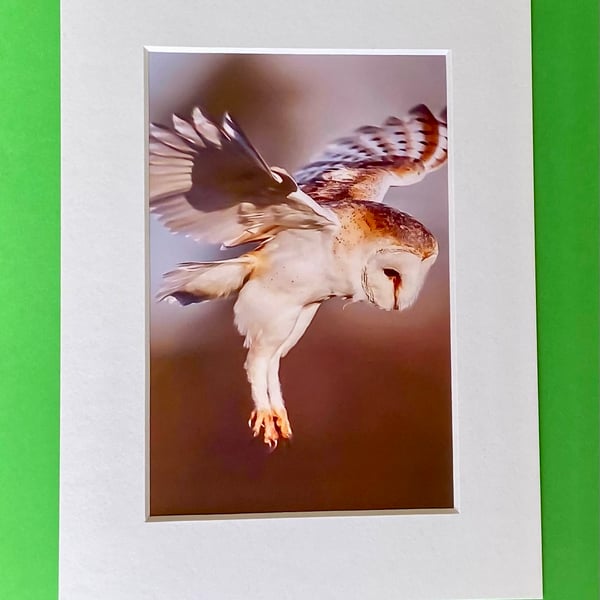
(566, 107)
(29, 289)
(565, 52)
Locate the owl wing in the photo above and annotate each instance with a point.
(364, 165)
(209, 182)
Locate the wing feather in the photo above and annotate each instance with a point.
(364, 165)
(209, 182)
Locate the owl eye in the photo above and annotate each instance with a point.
(392, 274)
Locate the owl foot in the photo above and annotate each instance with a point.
(282, 422)
(263, 420)
(273, 424)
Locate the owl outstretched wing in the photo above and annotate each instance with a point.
(208, 181)
(364, 165)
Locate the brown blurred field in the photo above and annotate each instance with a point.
(368, 392)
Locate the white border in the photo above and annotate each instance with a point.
(313, 51)
(107, 550)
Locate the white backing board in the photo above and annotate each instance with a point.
(491, 547)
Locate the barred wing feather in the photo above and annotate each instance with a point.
(364, 165)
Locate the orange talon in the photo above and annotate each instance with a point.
(283, 423)
(263, 419)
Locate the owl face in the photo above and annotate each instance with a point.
(393, 277)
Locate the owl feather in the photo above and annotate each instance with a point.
(321, 234)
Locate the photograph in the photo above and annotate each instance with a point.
(299, 289)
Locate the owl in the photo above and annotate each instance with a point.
(321, 233)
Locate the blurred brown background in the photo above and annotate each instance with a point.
(368, 392)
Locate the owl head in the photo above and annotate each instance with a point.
(393, 277)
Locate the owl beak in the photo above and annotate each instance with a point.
(397, 286)
(396, 280)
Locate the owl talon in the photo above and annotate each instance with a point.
(263, 420)
(282, 422)
(272, 423)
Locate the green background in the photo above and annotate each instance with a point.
(566, 109)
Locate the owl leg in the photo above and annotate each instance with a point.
(264, 338)
(261, 418)
(273, 384)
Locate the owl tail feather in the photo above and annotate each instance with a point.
(195, 282)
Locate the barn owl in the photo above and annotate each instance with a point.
(322, 233)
